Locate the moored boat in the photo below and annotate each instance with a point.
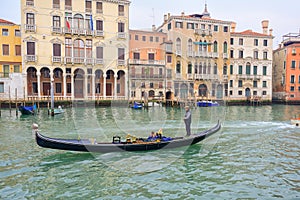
(28, 110)
(207, 103)
(56, 111)
(90, 145)
(295, 121)
(137, 105)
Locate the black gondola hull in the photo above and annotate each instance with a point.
(91, 146)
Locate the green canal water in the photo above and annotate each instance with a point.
(256, 155)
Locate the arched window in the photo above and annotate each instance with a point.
(209, 68)
(78, 49)
(178, 67)
(216, 69)
(225, 47)
(200, 45)
(190, 45)
(248, 66)
(225, 70)
(196, 68)
(204, 68)
(205, 46)
(215, 46)
(178, 45)
(78, 21)
(190, 68)
(200, 68)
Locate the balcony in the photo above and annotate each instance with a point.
(99, 33)
(57, 30)
(121, 35)
(99, 61)
(189, 76)
(190, 53)
(206, 76)
(215, 55)
(146, 62)
(89, 61)
(78, 60)
(121, 62)
(30, 58)
(56, 59)
(225, 55)
(225, 78)
(30, 28)
(203, 32)
(89, 32)
(178, 52)
(248, 76)
(68, 60)
(178, 76)
(4, 75)
(88, 10)
(76, 31)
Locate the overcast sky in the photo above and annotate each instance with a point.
(283, 15)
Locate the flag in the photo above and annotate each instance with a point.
(91, 23)
(68, 24)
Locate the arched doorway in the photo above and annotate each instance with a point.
(202, 90)
(151, 93)
(78, 83)
(109, 82)
(45, 81)
(121, 83)
(247, 92)
(32, 87)
(168, 95)
(98, 82)
(58, 81)
(183, 91)
(220, 91)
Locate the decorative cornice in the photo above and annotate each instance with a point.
(115, 1)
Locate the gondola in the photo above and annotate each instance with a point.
(28, 110)
(207, 103)
(90, 145)
(137, 105)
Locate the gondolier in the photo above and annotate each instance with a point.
(188, 120)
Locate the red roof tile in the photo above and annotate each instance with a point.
(250, 33)
(2, 21)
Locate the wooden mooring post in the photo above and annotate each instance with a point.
(16, 101)
(9, 100)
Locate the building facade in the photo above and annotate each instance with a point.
(286, 69)
(147, 71)
(80, 45)
(198, 53)
(10, 61)
(250, 69)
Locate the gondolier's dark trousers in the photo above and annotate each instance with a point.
(188, 128)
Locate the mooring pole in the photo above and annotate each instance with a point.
(16, 95)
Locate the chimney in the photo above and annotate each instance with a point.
(265, 26)
(233, 26)
(165, 18)
(182, 14)
(153, 28)
(271, 32)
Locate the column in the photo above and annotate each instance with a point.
(93, 86)
(115, 86)
(72, 86)
(85, 90)
(38, 74)
(65, 85)
(126, 85)
(104, 85)
(25, 88)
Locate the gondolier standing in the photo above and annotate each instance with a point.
(187, 120)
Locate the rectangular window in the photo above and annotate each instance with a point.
(6, 71)
(30, 48)
(169, 26)
(216, 28)
(231, 69)
(190, 25)
(292, 88)
(136, 37)
(169, 59)
(99, 25)
(231, 53)
(225, 29)
(255, 54)
(88, 6)
(293, 65)
(121, 10)
(30, 18)
(56, 21)
(4, 32)
(16, 68)
(17, 33)
(5, 49)
(292, 79)
(264, 70)
(68, 4)
(144, 38)
(241, 41)
(151, 38)
(240, 83)
(248, 69)
(178, 25)
(99, 8)
(156, 39)
(255, 42)
(18, 50)
(240, 92)
(121, 27)
(57, 50)
(264, 84)
(265, 57)
(1, 87)
(99, 52)
(255, 84)
(254, 70)
(231, 83)
(151, 56)
(56, 4)
(265, 43)
(240, 69)
(57, 87)
(136, 56)
(264, 93)
(121, 54)
(231, 41)
(241, 54)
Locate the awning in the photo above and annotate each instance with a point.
(201, 43)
